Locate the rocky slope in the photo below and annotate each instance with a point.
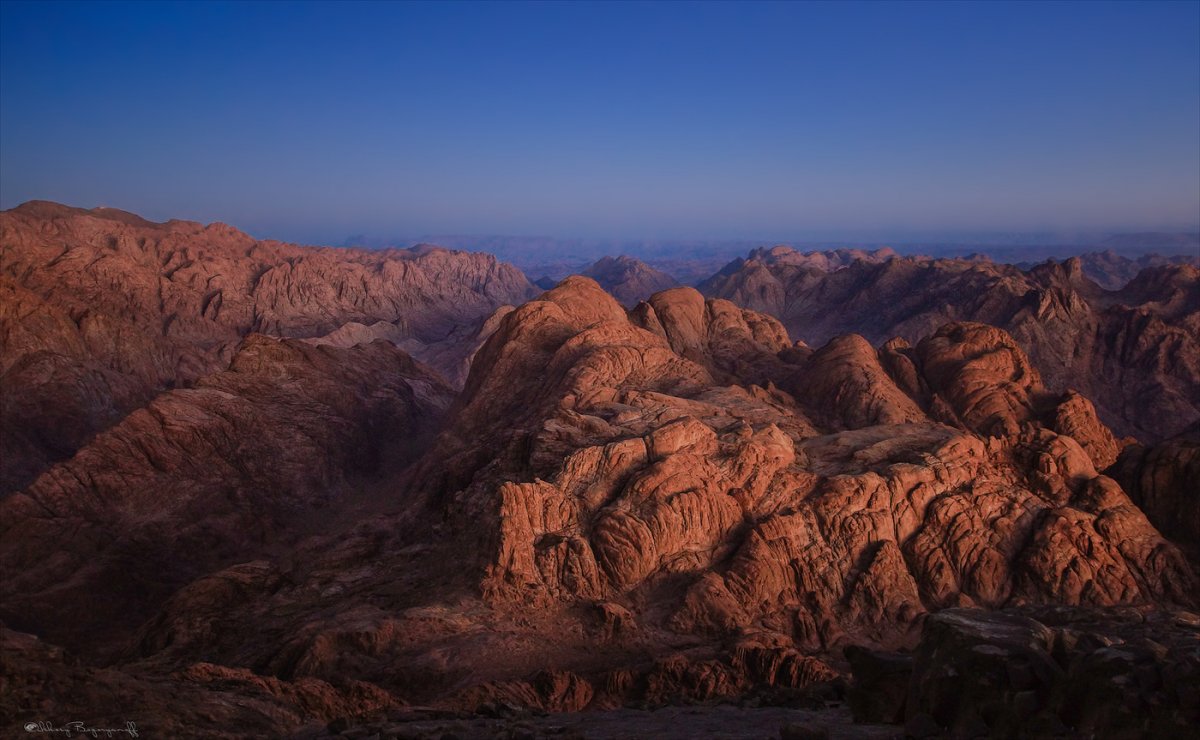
(1113, 271)
(247, 461)
(634, 459)
(667, 503)
(670, 503)
(1135, 352)
(629, 280)
(100, 310)
(1164, 481)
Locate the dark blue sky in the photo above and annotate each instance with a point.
(310, 122)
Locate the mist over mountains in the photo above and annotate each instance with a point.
(691, 261)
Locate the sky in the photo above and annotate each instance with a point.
(310, 122)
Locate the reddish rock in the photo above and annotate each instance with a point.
(673, 503)
(1134, 352)
(1164, 481)
(207, 476)
(101, 310)
(629, 280)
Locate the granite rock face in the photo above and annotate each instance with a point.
(1133, 351)
(1113, 271)
(101, 310)
(841, 504)
(1164, 481)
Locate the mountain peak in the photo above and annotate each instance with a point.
(629, 279)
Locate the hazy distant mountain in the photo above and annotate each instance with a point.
(629, 280)
(693, 261)
(1113, 271)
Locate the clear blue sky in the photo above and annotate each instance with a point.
(310, 121)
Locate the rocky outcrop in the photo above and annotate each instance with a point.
(629, 280)
(848, 382)
(1164, 481)
(42, 681)
(665, 504)
(245, 461)
(761, 280)
(630, 466)
(1135, 352)
(1055, 672)
(730, 342)
(101, 310)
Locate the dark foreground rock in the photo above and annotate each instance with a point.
(670, 723)
(1042, 672)
(880, 689)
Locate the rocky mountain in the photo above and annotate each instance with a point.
(1135, 351)
(100, 310)
(629, 280)
(670, 503)
(1162, 481)
(1113, 271)
(244, 462)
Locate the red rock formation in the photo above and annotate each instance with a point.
(208, 476)
(1164, 481)
(623, 472)
(1134, 352)
(846, 379)
(1113, 271)
(100, 310)
(656, 505)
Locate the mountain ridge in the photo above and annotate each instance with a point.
(305, 528)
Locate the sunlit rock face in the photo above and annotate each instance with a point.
(825, 501)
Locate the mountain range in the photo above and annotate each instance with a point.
(256, 489)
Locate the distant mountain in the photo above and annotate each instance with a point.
(629, 280)
(528, 252)
(559, 257)
(1113, 271)
(1187, 243)
(1135, 351)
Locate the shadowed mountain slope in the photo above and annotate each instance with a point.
(101, 309)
